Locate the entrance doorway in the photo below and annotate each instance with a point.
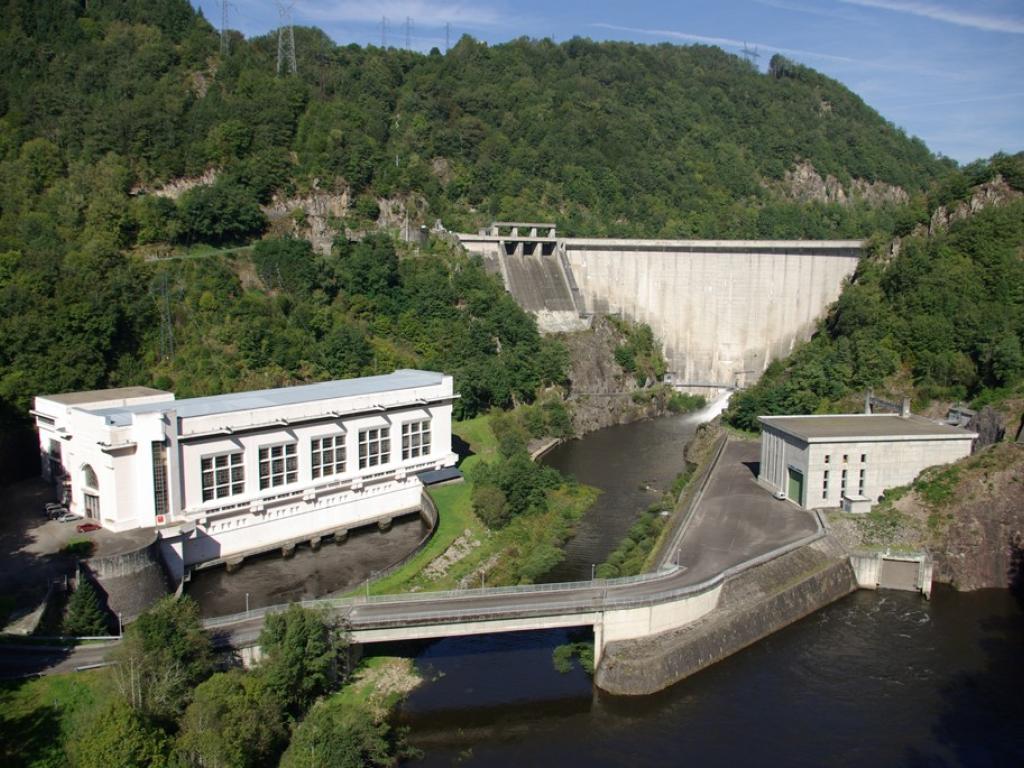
(796, 486)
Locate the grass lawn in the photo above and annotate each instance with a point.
(35, 715)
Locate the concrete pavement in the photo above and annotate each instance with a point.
(737, 519)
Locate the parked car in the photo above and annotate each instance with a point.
(68, 517)
(88, 527)
(53, 509)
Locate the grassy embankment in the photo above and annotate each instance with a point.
(519, 553)
(35, 715)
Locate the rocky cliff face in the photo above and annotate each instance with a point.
(994, 192)
(804, 184)
(601, 393)
(983, 545)
(319, 211)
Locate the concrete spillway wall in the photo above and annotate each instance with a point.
(723, 309)
(752, 605)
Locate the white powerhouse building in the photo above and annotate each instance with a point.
(850, 460)
(227, 475)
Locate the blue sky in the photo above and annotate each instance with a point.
(948, 71)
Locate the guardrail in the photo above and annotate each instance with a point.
(597, 595)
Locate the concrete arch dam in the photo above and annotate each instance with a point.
(724, 309)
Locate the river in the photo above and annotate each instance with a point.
(882, 678)
(879, 678)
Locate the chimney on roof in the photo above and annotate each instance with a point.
(905, 408)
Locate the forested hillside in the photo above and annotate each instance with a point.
(103, 103)
(937, 313)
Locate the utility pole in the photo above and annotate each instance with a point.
(408, 33)
(751, 54)
(286, 39)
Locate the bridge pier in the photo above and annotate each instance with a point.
(288, 550)
(234, 564)
(384, 525)
(341, 536)
(314, 543)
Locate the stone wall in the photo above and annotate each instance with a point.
(753, 605)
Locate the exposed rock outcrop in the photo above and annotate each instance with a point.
(804, 184)
(175, 188)
(318, 210)
(993, 192)
(601, 393)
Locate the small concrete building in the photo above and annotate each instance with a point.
(850, 460)
(225, 476)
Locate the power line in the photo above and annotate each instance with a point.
(286, 38)
(751, 54)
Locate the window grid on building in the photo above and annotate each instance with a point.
(223, 475)
(279, 465)
(415, 439)
(863, 482)
(828, 458)
(842, 483)
(824, 485)
(863, 458)
(328, 455)
(374, 447)
(160, 505)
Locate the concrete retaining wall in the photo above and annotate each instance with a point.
(752, 605)
(131, 581)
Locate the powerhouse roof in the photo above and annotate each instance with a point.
(269, 398)
(873, 426)
(99, 395)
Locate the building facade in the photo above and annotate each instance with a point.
(224, 476)
(850, 460)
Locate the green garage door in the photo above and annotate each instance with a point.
(796, 486)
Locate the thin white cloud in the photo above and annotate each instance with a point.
(961, 18)
(725, 42)
(426, 12)
(813, 10)
(967, 100)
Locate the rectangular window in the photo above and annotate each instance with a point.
(824, 485)
(863, 458)
(328, 455)
(278, 465)
(842, 483)
(374, 447)
(827, 458)
(846, 458)
(160, 505)
(863, 481)
(223, 475)
(415, 439)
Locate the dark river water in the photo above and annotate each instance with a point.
(877, 679)
(632, 464)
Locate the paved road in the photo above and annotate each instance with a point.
(736, 520)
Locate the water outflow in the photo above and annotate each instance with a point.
(632, 465)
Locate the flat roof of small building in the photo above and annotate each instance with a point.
(869, 426)
(268, 398)
(100, 395)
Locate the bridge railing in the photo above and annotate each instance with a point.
(337, 603)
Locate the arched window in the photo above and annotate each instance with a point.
(90, 477)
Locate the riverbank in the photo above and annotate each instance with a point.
(464, 552)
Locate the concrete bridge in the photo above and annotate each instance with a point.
(724, 309)
(731, 527)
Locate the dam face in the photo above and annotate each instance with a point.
(724, 309)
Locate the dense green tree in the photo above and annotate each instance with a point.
(85, 616)
(302, 656)
(220, 213)
(114, 735)
(234, 721)
(340, 736)
(164, 654)
(286, 264)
